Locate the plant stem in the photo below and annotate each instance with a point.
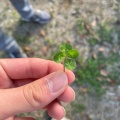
(63, 62)
(64, 65)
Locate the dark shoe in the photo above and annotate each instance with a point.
(39, 16)
(16, 52)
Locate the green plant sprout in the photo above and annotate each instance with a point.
(66, 56)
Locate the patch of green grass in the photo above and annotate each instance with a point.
(49, 40)
(52, 14)
(63, 33)
(115, 76)
(92, 41)
(105, 33)
(21, 22)
(118, 33)
(87, 76)
(102, 34)
(78, 107)
(15, 14)
(57, 24)
(114, 63)
(66, 16)
(80, 26)
(22, 39)
(5, 9)
(88, 73)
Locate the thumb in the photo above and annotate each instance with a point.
(33, 96)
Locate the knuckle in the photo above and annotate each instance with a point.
(36, 95)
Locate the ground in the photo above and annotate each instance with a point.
(92, 27)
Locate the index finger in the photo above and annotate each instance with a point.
(36, 68)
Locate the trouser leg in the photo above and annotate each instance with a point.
(23, 7)
(27, 13)
(10, 46)
(5, 41)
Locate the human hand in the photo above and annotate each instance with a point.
(30, 84)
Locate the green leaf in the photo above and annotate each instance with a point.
(65, 47)
(73, 54)
(70, 64)
(59, 57)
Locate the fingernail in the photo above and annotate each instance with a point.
(57, 81)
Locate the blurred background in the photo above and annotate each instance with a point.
(93, 28)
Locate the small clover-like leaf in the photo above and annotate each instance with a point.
(67, 56)
(59, 57)
(65, 47)
(70, 64)
(73, 54)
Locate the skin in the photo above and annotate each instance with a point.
(17, 73)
